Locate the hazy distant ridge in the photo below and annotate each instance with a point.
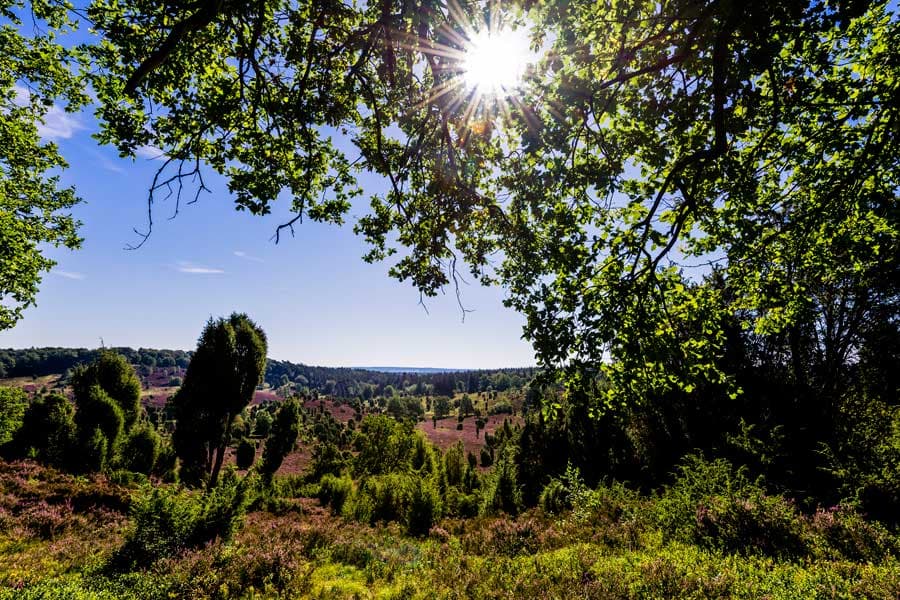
(411, 369)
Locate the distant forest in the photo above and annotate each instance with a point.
(340, 382)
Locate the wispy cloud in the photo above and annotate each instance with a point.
(188, 267)
(68, 274)
(149, 152)
(108, 164)
(245, 256)
(57, 124)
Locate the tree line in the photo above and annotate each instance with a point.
(332, 381)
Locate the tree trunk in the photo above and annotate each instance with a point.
(214, 476)
(220, 453)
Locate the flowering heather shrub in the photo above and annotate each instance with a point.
(842, 532)
(46, 520)
(439, 534)
(505, 536)
(715, 506)
(24, 483)
(769, 525)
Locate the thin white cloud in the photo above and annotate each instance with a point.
(108, 164)
(56, 124)
(68, 274)
(187, 267)
(149, 152)
(245, 256)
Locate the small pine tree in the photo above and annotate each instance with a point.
(486, 458)
(262, 423)
(48, 430)
(95, 451)
(113, 374)
(504, 494)
(285, 429)
(97, 411)
(246, 454)
(141, 449)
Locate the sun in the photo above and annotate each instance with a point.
(494, 62)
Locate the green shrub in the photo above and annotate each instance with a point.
(406, 498)
(246, 454)
(115, 377)
(282, 439)
(503, 493)
(715, 506)
(94, 451)
(13, 402)
(166, 467)
(502, 407)
(294, 486)
(326, 460)
(126, 477)
(48, 431)
(424, 507)
(460, 504)
(167, 521)
(262, 423)
(141, 449)
(842, 532)
(334, 491)
(555, 497)
(486, 458)
(98, 411)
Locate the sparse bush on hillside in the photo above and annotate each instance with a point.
(501, 407)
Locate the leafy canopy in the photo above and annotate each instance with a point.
(667, 171)
(36, 71)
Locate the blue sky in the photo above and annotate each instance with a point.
(318, 302)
